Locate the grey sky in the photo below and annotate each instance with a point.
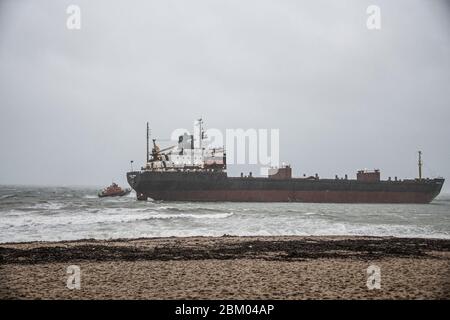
(74, 103)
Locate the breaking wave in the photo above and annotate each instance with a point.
(191, 216)
(7, 196)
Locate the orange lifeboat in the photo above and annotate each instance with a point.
(113, 191)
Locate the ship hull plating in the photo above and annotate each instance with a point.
(216, 186)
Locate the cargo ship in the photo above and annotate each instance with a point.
(191, 172)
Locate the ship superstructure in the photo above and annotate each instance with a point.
(190, 154)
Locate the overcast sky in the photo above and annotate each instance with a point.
(74, 103)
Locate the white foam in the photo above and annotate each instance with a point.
(48, 206)
(6, 196)
(89, 196)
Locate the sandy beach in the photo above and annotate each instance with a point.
(227, 267)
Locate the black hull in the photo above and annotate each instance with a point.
(216, 186)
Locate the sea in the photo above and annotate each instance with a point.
(31, 213)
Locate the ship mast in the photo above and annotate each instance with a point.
(200, 122)
(148, 138)
(200, 125)
(420, 165)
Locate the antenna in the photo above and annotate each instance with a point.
(200, 122)
(148, 138)
(420, 165)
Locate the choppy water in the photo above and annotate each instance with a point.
(61, 213)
